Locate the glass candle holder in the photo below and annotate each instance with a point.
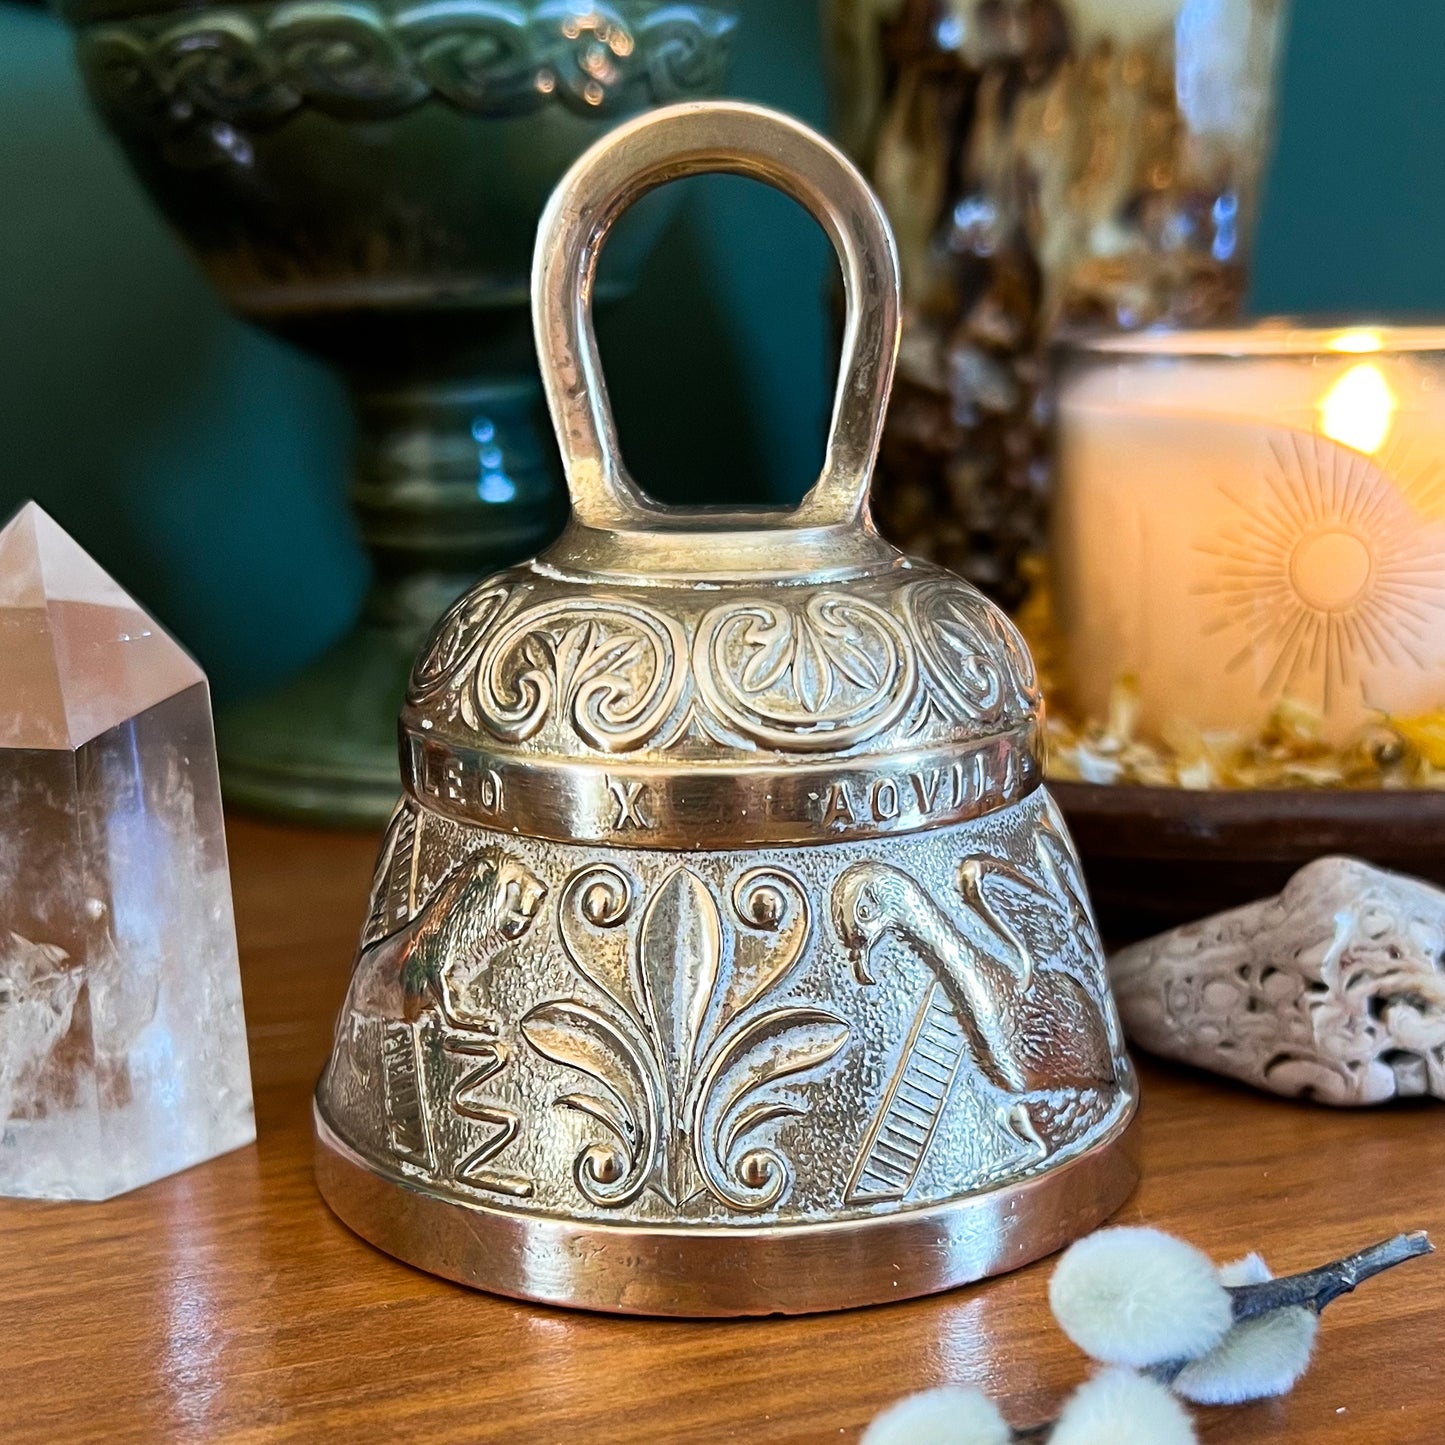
(1251, 520)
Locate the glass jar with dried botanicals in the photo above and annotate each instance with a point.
(1045, 163)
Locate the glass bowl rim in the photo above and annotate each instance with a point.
(1271, 336)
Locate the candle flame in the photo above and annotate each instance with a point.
(1358, 341)
(1358, 409)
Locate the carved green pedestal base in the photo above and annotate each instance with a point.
(323, 748)
(450, 482)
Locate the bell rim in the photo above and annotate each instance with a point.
(721, 1271)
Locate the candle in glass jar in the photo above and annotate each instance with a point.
(1254, 516)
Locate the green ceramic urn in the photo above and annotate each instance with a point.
(364, 178)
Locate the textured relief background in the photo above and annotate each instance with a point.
(204, 463)
(773, 1084)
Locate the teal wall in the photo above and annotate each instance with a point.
(1355, 207)
(204, 464)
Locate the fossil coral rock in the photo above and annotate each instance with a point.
(1333, 990)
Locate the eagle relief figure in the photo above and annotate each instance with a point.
(487, 901)
(1033, 1031)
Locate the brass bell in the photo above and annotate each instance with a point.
(726, 953)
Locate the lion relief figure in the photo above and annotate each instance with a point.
(487, 901)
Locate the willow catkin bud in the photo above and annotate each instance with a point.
(1257, 1358)
(1139, 1297)
(1118, 1407)
(948, 1415)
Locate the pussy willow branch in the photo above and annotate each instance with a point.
(1316, 1288)
(1313, 1289)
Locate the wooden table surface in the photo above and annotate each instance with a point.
(228, 1304)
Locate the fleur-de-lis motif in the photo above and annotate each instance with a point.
(817, 650)
(821, 676)
(683, 1048)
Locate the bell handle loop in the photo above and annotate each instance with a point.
(637, 157)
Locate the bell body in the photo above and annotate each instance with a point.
(726, 954)
(707, 1023)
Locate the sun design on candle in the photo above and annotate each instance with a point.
(1324, 573)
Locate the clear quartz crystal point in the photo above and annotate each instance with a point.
(122, 1038)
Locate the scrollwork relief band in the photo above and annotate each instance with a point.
(609, 672)
(617, 671)
(367, 61)
(452, 651)
(976, 655)
(824, 671)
